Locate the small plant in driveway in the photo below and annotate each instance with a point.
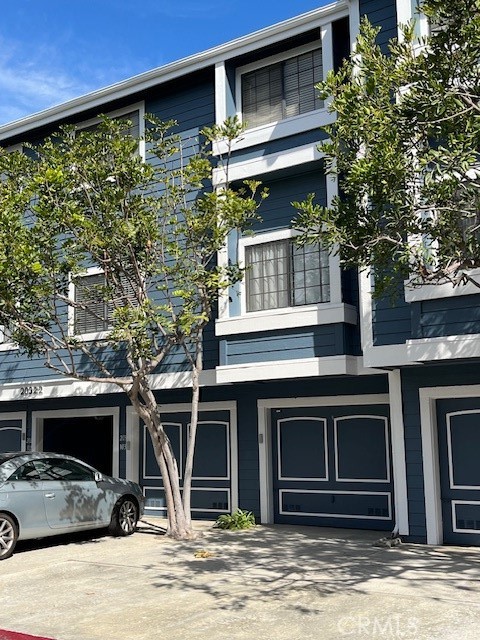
(239, 519)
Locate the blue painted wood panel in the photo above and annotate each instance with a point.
(276, 211)
(446, 316)
(391, 318)
(412, 380)
(190, 101)
(288, 344)
(381, 13)
(347, 478)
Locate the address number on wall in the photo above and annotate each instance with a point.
(33, 390)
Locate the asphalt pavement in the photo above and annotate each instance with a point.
(271, 582)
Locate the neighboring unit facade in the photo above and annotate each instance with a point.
(318, 406)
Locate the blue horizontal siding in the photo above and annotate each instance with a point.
(276, 211)
(291, 344)
(381, 13)
(391, 320)
(191, 105)
(446, 316)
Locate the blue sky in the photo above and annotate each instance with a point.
(54, 50)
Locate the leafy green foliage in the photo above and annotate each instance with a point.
(235, 521)
(86, 199)
(404, 146)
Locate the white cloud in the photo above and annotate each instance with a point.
(27, 86)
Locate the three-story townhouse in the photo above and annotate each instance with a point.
(318, 406)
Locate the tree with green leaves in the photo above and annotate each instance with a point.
(405, 146)
(84, 202)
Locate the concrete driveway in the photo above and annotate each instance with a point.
(271, 583)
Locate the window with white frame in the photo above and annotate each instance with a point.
(283, 89)
(93, 311)
(281, 274)
(133, 114)
(5, 337)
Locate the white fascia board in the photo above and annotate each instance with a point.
(210, 57)
(266, 164)
(445, 290)
(66, 387)
(285, 369)
(444, 348)
(276, 130)
(388, 356)
(287, 318)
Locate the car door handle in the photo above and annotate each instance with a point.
(49, 495)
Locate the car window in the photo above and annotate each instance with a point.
(27, 471)
(58, 469)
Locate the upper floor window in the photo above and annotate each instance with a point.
(94, 313)
(280, 274)
(6, 341)
(282, 89)
(134, 114)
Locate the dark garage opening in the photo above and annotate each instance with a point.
(88, 438)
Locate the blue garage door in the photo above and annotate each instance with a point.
(459, 454)
(332, 467)
(211, 483)
(10, 435)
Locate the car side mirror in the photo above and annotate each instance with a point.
(98, 476)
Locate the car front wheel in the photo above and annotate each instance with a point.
(8, 536)
(124, 518)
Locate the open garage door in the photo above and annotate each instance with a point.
(89, 438)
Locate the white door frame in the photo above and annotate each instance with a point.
(18, 415)
(38, 418)
(264, 407)
(431, 462)
(133, 439)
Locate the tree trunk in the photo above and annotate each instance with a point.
(179, 522)
(187, 478)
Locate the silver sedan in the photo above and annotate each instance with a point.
(46, 494)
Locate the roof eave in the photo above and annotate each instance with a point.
(170, 71)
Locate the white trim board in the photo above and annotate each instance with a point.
(444, 290)
(431, 463)
(444, 348)
(244, 169)
(298, 368)
(287, 318)
(399, 463)
(67, 387)
(312, 120)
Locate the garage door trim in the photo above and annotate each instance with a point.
(431, 463)
(264, 407)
